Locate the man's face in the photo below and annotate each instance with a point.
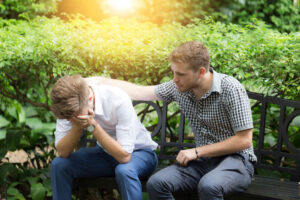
(184, 77)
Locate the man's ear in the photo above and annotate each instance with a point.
(201, 71)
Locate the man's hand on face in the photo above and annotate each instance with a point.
(83, 121)
(86, 120)
(184, 156)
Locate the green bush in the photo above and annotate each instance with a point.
(34, 53)
(281, 15)
(27, 8)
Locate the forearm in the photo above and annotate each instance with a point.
(68, 143)
(111, 145)
(233, 144)
(135, 92)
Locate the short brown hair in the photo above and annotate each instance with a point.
(193, 53)
(69, 95)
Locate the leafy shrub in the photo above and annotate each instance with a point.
(26, 8)
(30, 129)
(264, 60)
(282, 15)
(34, 53)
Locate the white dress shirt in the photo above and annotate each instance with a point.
(115, 114)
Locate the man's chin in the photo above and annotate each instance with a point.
(180, 89)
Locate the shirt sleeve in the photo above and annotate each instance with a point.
(166, 91)
(125, 132)
(239, 110)
(63, 126)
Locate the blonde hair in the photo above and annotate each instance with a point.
(193, 53)
(69, 95)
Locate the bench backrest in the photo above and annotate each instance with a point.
(273, 128)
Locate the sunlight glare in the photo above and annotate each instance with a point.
(121, 5)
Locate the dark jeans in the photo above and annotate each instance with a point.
(211, 177)
(94, 161)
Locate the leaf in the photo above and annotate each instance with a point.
(2, 133)
(32, 180)
(13, 137)
(5, 168)
(30, 111)
(37, 191)
(270, 140)
(21, 115)
(15, 193)
(34, 123)
(296, 121)
(3, 122)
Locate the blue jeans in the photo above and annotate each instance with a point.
(212, 178)
(94, 161)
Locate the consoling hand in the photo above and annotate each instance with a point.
(184, 156)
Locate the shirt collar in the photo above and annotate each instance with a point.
(216, 84)
(215, 87)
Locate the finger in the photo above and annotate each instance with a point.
(91, 112)
(82, 117)
(179, 161)
(185, 162)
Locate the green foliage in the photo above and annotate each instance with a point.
(264, 60)
(138, 52)
(166, 11)
(26, 8)
(26, 131)
(281, 15)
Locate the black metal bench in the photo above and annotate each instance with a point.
(279, 157)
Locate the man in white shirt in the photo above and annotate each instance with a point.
(125, 148)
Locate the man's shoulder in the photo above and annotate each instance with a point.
(166, 86)
(229, 83)
(110, 97)
(109, 91)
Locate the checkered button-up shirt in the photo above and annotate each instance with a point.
(218, 115)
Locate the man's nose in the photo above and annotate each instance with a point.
(175, 79)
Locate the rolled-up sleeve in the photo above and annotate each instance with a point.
(125, 132)
(239, 109)
(166, 91)
(63, 126)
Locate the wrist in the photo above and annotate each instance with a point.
(196, 153)
(94, 122)
(92, 126)
(77, 127)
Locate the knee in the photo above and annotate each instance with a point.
(59, 165)
(123, 171)
(208, 188)
(154, 183)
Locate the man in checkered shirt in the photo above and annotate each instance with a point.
(219, 113)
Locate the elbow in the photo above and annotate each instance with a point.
(63, 154)
(125, 159)
(248, 144)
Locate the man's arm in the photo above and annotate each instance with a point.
(68, 143)
(135, 92)
(107, 142)
(240, 141)
(111, 145)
